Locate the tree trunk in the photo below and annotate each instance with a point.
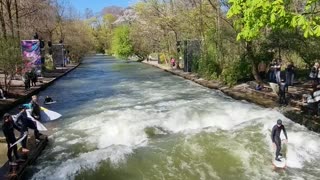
(17, 18)
(3, 23)
(8, 4)
(251, 57)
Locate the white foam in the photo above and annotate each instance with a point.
(117, 128)
(70, 167)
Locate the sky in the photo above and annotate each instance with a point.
(98, 5)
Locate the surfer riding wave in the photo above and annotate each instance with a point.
(275, 137)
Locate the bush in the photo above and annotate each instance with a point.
(239, 69)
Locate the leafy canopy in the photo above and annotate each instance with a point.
(121, 43)
(251, 16)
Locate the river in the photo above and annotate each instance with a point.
(132, 121)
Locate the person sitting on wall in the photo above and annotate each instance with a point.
(259, 87)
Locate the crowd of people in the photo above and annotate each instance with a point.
(273, 74)
(313, 98)
(22, 122)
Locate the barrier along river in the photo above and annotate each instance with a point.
(132, 121)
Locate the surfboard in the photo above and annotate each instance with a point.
(310, 99)
(275, 87)
(279, 164)
(282, 164)
(19, 140)
(48, 115)
(40, 126)
(48, 103)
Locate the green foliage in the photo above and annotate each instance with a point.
(207, 65)
(251, 16)
(10, 59)
(121, 43)
(239, 69)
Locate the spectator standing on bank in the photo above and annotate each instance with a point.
(173, 62)
(34, 78)
(277, 70)
(290, 74)
(314, 75)
(26, 81)
(271, 72)
(2, 93)
(282, 92)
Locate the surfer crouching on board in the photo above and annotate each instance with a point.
(35, 108)
(8, 127)
(275, 137)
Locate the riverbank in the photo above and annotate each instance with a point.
(18, 96)
(243, 91)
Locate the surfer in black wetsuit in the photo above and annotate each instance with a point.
(48, 99)
(35, 108)
(8, 127)
(275, 137)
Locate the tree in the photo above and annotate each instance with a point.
(10, 59)
(121, 43)
(253, 16)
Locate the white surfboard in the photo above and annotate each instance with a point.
(40, 126)
(48, 115)
(48, 103)
(278, 164)
(19, 140)
(275, 87)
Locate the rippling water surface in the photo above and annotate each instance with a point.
(131, 121)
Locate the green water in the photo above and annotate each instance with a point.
(131, 121)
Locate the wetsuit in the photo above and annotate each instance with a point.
(48, 99)
(35, 110)
(275, 137)
(8, 131)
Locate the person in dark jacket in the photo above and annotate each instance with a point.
(8, 127)
(282, 92)
(22, 121)
(34, 77)
(290, 74)
(314, 76)
(35, 108)
(275, 137)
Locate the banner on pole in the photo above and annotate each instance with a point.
(31, 55)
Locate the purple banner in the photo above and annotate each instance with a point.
(31, 55)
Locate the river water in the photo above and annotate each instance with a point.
(131, 121)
